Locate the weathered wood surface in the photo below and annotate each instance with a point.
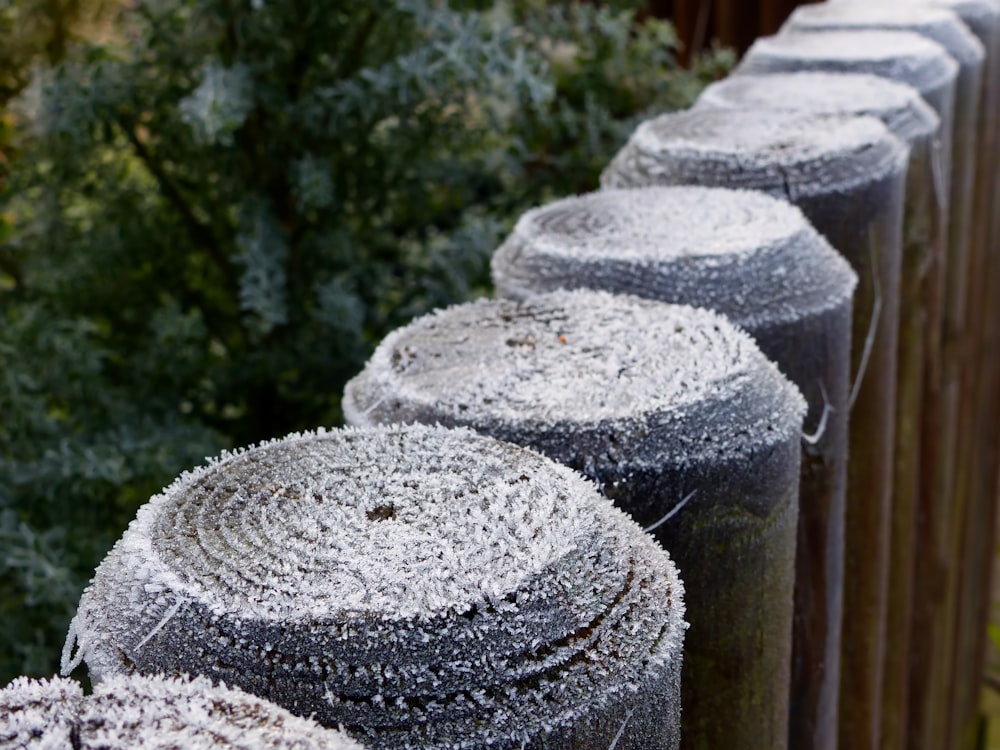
(934, 622)
(911, 119)
(422, 587)
(757, 261)
(847, 175)
(683, 423)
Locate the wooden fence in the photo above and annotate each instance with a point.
(831, 510)
(731, 23)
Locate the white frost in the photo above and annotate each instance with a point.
(151, 713)
(787, 154)
(425, 587)
(744, 254)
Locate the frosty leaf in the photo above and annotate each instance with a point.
(216, 109)
(262, 284)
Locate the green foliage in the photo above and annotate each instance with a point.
(208, 228)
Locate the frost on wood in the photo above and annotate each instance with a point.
(788, 155)
(744, 254)
(897, 105)
(963, 268)
(937, 24)
(896, 55)
(623, 376)
(847, 174)
(683, 423)
(903, 111)
(758, 261)
(426, 588)
(152, 712)
(39, 714)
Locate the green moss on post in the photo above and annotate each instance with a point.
(903, 111)
(757, 261)
(847, 175)
(683, 423)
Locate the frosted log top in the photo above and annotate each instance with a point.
(751, 257)
(978, 12)
(786, 154)
(898, 55)
(897, 105)
(936, 23)
(631, 380)
(152, 712)
(423, 587)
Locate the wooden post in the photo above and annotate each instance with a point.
(683, 423)
(903, 111)
(934, 622)
(757, 261)
(422, 587)
(847, 175)
(979, 446)
(137, 712)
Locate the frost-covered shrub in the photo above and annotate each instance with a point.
(152, 712)
(426, 588)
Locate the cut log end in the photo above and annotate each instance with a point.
(421, 586)
(634, 381)
(897, 105)
(788, 155)
(748, 256)
(901, 56)
(938, 24)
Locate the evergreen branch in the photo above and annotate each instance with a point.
(200, 233)
(352, 60)
(11, 267)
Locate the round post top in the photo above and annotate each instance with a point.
(937, 23)
(751, 257)
(902, 56)
(786, 154)
(898, 105)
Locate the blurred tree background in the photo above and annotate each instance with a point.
(212, 210)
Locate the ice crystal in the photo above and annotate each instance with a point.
(751, 257)
(152, 712)
(424, 587)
